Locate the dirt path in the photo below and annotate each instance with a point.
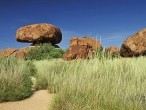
(40, 100)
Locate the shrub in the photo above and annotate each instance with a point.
(15, 82)
(44, 51)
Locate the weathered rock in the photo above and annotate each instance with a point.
(39, 33)
(7, 52)
(26, 49)
(112, 50)
(86, 41)
(134, 45)
(82, 48)
(77, 52)
(22, 52)
(18, 53)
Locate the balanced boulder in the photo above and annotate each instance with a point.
(39, 33)
(112, 50)
(134, 45)
(82, 48)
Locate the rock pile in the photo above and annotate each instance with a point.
(82, 48)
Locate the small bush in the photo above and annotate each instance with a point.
(44, 51)
(15, 82)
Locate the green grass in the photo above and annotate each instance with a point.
(110, 84)
(15, 82)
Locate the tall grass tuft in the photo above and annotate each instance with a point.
(109, 84)
(15, 82)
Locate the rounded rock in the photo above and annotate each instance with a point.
(39, 33)
(135, 45)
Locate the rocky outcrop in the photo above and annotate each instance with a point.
(112, 50)
(86, 41)
(22, 52)
(7, 52)
(19, 53)
(39, 33)
(82, 48)
(134, 45)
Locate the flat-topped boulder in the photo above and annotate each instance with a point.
(82, 48)
(39, 33)
(134, 45)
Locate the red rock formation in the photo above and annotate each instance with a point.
(82, 48)
(7, 52)
(19, 53)
(39, 33)
(22, 52)
(112, 50)
(134, 45)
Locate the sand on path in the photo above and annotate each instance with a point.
(40, 100)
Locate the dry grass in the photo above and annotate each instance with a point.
(109, 84)
(15, 82)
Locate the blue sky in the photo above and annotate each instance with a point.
(113, 20)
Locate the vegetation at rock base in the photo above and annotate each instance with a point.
(112, 84)
(45, 51)
(101, 55)
(15, 82)
(99, 83)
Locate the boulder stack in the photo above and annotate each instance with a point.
(35, 34)
(135, 45)
(82, 48)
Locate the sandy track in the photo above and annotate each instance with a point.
(40, 100)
